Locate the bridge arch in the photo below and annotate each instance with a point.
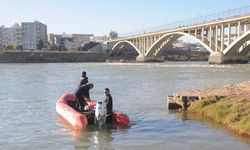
(168, 39)
(120, 44)
(237, 44)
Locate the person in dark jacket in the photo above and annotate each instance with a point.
(109, 102)
(83, 79)
(81, 94)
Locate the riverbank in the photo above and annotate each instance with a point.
(171, 54)
(228, 105)
(51, 56)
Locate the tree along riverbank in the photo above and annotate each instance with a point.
(228, 105)
(51, 56)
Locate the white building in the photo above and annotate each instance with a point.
(56, 39)
(99, 39)
(10, 36)
(33, 33)
(69, 41)
(81, 38)
(51, 39)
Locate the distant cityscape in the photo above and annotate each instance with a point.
(34, 36)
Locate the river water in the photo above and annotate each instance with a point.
(28, 94)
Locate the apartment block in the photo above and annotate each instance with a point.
(82, 38)
(28, 35)
(33, 34)
(10, 36)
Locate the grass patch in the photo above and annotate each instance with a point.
(230, 111)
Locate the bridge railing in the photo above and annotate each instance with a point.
(189, 22)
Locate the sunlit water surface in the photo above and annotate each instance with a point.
(28, 94)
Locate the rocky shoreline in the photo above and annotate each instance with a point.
(228, 105)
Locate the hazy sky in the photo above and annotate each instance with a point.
(101, 16)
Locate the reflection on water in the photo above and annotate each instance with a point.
(91, 137)
(65, 126)
(96, 139)
(189, 116)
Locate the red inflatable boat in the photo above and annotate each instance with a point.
(82, 119)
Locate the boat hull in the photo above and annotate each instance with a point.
(81, 120)
(74, 117)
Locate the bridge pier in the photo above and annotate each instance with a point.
(220, 58)
(142, 58)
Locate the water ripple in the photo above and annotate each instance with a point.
(29, 93)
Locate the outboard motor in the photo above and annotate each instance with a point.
(100, 113)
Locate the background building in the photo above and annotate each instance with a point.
(30, 35)
(34, 35)
(69, 41)
(55, 39)
(100, 39)
(52, 39)
(82, 38)
(11, 36)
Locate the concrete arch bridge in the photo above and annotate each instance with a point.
(227, 40)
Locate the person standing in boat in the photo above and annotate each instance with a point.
(83, 79)
(82, 94)
(109, 102)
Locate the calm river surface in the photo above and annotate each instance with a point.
(28, 94)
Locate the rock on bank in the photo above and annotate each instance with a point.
(53, 56)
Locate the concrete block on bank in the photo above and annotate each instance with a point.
(181, 101)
